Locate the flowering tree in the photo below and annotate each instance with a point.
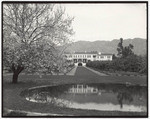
(31, 35)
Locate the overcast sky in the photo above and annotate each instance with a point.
(107, 21)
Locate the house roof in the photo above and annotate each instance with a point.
(106, 54)
(93, 52)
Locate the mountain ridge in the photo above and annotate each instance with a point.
(139, 44)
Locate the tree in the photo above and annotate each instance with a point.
(120, 47)
(113, 57)
(124, 51)
(143, 64)
(35, 32)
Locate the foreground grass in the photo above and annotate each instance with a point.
(13, 100)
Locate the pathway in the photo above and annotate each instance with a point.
(72, 72)
(101, 74)
(87, 72)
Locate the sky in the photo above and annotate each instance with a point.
(106, 22)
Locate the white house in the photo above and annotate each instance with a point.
(81, 58)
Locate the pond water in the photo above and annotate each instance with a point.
(104, 97)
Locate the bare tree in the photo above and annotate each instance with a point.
(32, 33)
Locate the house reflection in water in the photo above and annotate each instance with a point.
(93, 97)
(84, 89)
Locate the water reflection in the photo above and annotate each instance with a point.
(83, 89)
(110, 97)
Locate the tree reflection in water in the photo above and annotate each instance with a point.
(62, 95)
(124, 96)
(49, 95)
(124, 92)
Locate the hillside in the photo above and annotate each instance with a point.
(109, 46)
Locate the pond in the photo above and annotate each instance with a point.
(103, 97)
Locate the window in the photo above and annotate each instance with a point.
(94, 56)
(79, 60)
(101, 57)
(108, 56)
(75, 86)
(94, 90)
(88, 56)
(80, 86)
(84, 86)
(75, 60)
(84, 60)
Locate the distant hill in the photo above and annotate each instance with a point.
(140, 46)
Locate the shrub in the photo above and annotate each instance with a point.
(132, 63)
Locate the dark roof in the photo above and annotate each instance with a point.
(106, 54)
(93, 52)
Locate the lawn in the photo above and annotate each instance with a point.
(119, 73)
(12, 99)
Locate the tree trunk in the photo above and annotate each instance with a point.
(15, 77)
(16, 71)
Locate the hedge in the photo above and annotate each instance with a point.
(131, 63)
